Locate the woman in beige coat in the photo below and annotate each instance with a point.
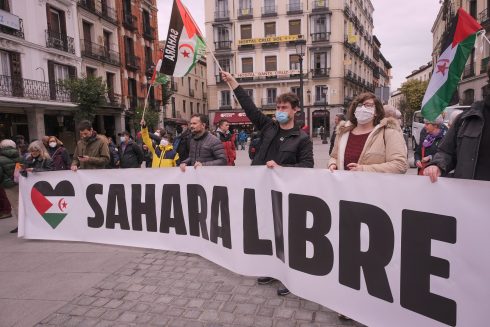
(368, 141)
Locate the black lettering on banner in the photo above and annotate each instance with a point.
(278, 224)
(171, 199)
(97, 220)
(147, 208)
(117, 194)
(378, 255)
(417, 265)
(197, 218)
(220, 204)
(321, 262)
(252, 244)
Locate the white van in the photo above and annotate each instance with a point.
(418, 121)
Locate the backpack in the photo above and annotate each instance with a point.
(254, 146)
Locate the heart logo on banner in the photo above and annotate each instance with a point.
(52, 203)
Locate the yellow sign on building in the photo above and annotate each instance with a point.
(271, 39)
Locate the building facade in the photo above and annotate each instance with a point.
(139, 51)
(38, 49)
(422, 74)
(257, 41)
(99, 43)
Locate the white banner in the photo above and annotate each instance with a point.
(386, 250)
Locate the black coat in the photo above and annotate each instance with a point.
(295, 151)
(430, 151)
(132, 156)
(38, 164)
(459, 150)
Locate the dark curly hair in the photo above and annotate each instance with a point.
(379, 112)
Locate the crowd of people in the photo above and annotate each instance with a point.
(369, 139)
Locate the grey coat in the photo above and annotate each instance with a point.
(206, 149)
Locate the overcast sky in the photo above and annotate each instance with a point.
(402, 27)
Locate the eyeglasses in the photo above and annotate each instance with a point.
(367, 105)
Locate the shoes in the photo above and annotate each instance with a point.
(265, 280)
(342, 317)
(5, 215)
(14, 231)
(283, 291)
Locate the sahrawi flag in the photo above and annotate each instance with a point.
(157, 77)
(184, 45)
(456, 49)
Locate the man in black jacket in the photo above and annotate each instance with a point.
(282, 142)
(130, 153)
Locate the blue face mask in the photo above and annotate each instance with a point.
(282, 117)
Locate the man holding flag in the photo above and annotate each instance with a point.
(466, 147)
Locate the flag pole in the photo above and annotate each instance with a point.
(146, 101)
(221, 70)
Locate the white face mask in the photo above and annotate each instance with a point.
(164, 142)
(364, 115)
(52, 144)
(156, 134)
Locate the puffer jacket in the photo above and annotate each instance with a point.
(162, 156)
(295, 151)
(132, 156)
(96, 148)
(208, 150)
(8, 158)
(385, 150)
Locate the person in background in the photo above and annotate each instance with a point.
(9, 190)
(338, 118)
(58, 153)
(130, 153)
(92, 151)
(114, 158)
(163, 155)
(182, 143)
(242, 139)
(147, 156)
(254, 146)
(427, 148)
(228, 140)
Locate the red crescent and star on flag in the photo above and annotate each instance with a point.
(184, 52)
(441, 68)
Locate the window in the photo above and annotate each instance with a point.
(247, 65)
(222, 33)
(225, 98)
(110, 83)
(4, 5)
(320, 63)
(294, 27)
(270, 63)
(246, 32)
(146, 20)
(221, 6)
(269, 6)
(320, 93)
(198, 105)
(4, 63)
(107, 41)
(183, 106)
(250, 92)
(294, 5)
(271, 95)
(61, 73)
(225, 64)
(293, 62)
(295, 90)
(319, 24)
(148, 57)
(132, 94)
(468, 97)
(174, 112)
(91, 72)
(192, 108)
(269, 29)
(245, 7)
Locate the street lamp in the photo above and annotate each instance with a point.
(300, 52)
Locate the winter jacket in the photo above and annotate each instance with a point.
(431, 150)
(39, 164)
(228, 141)
(459, 149)
(132, 156)
(208, 150)
(295, 151)
(385, 150)
(96, 148)
(182, 144)
(114, 158)
(8, 158)
(60, 157)
(162, 156)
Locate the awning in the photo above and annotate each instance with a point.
(238, 118)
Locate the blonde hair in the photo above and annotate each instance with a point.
(39, 146)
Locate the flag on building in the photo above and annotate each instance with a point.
(158, 78)
(351, 37)
(184, 45)
(456, 49)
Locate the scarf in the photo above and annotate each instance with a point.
(430, 138)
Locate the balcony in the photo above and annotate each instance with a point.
(148, 32)
(191, 93)
(88, 5)
(484, 64)
(100, 9)
(108, 14)
(113, 99)
(320, 37)
(269, 102)
(319, 5)
(31, 89)
(100, 52)
(245, 47)
(469, 71)
(245, 13)
(129, 22)
(320, 72)
(270, 45)
(483, 18)
(132, 62)
(60, 41)
(12, 31)
(269, 11)
(222, 45)
(294, 8)
(223, 15)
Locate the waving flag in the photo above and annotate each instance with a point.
(157, 77)
(450, 65)
(185, 44)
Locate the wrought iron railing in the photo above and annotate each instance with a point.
(132, 62)
(222, 45)
(269, 102)
(319, 4)
(222, 15)
(269, 11)
(294, 7)
(100, 52)
(129, 21)
(100, 9)
(14, 32)
(31, 89)
(321, 36)
(60, 41)
(320, 72)
(224, 103)
(113, 99)
(245, 12)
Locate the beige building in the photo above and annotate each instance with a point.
(423, 73)
(474, 79)
(256, 40)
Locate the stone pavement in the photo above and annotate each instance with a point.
(46, 283)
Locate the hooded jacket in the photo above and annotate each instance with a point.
(8, 158)
(165, 157)
(96, 148)
(385, 150)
